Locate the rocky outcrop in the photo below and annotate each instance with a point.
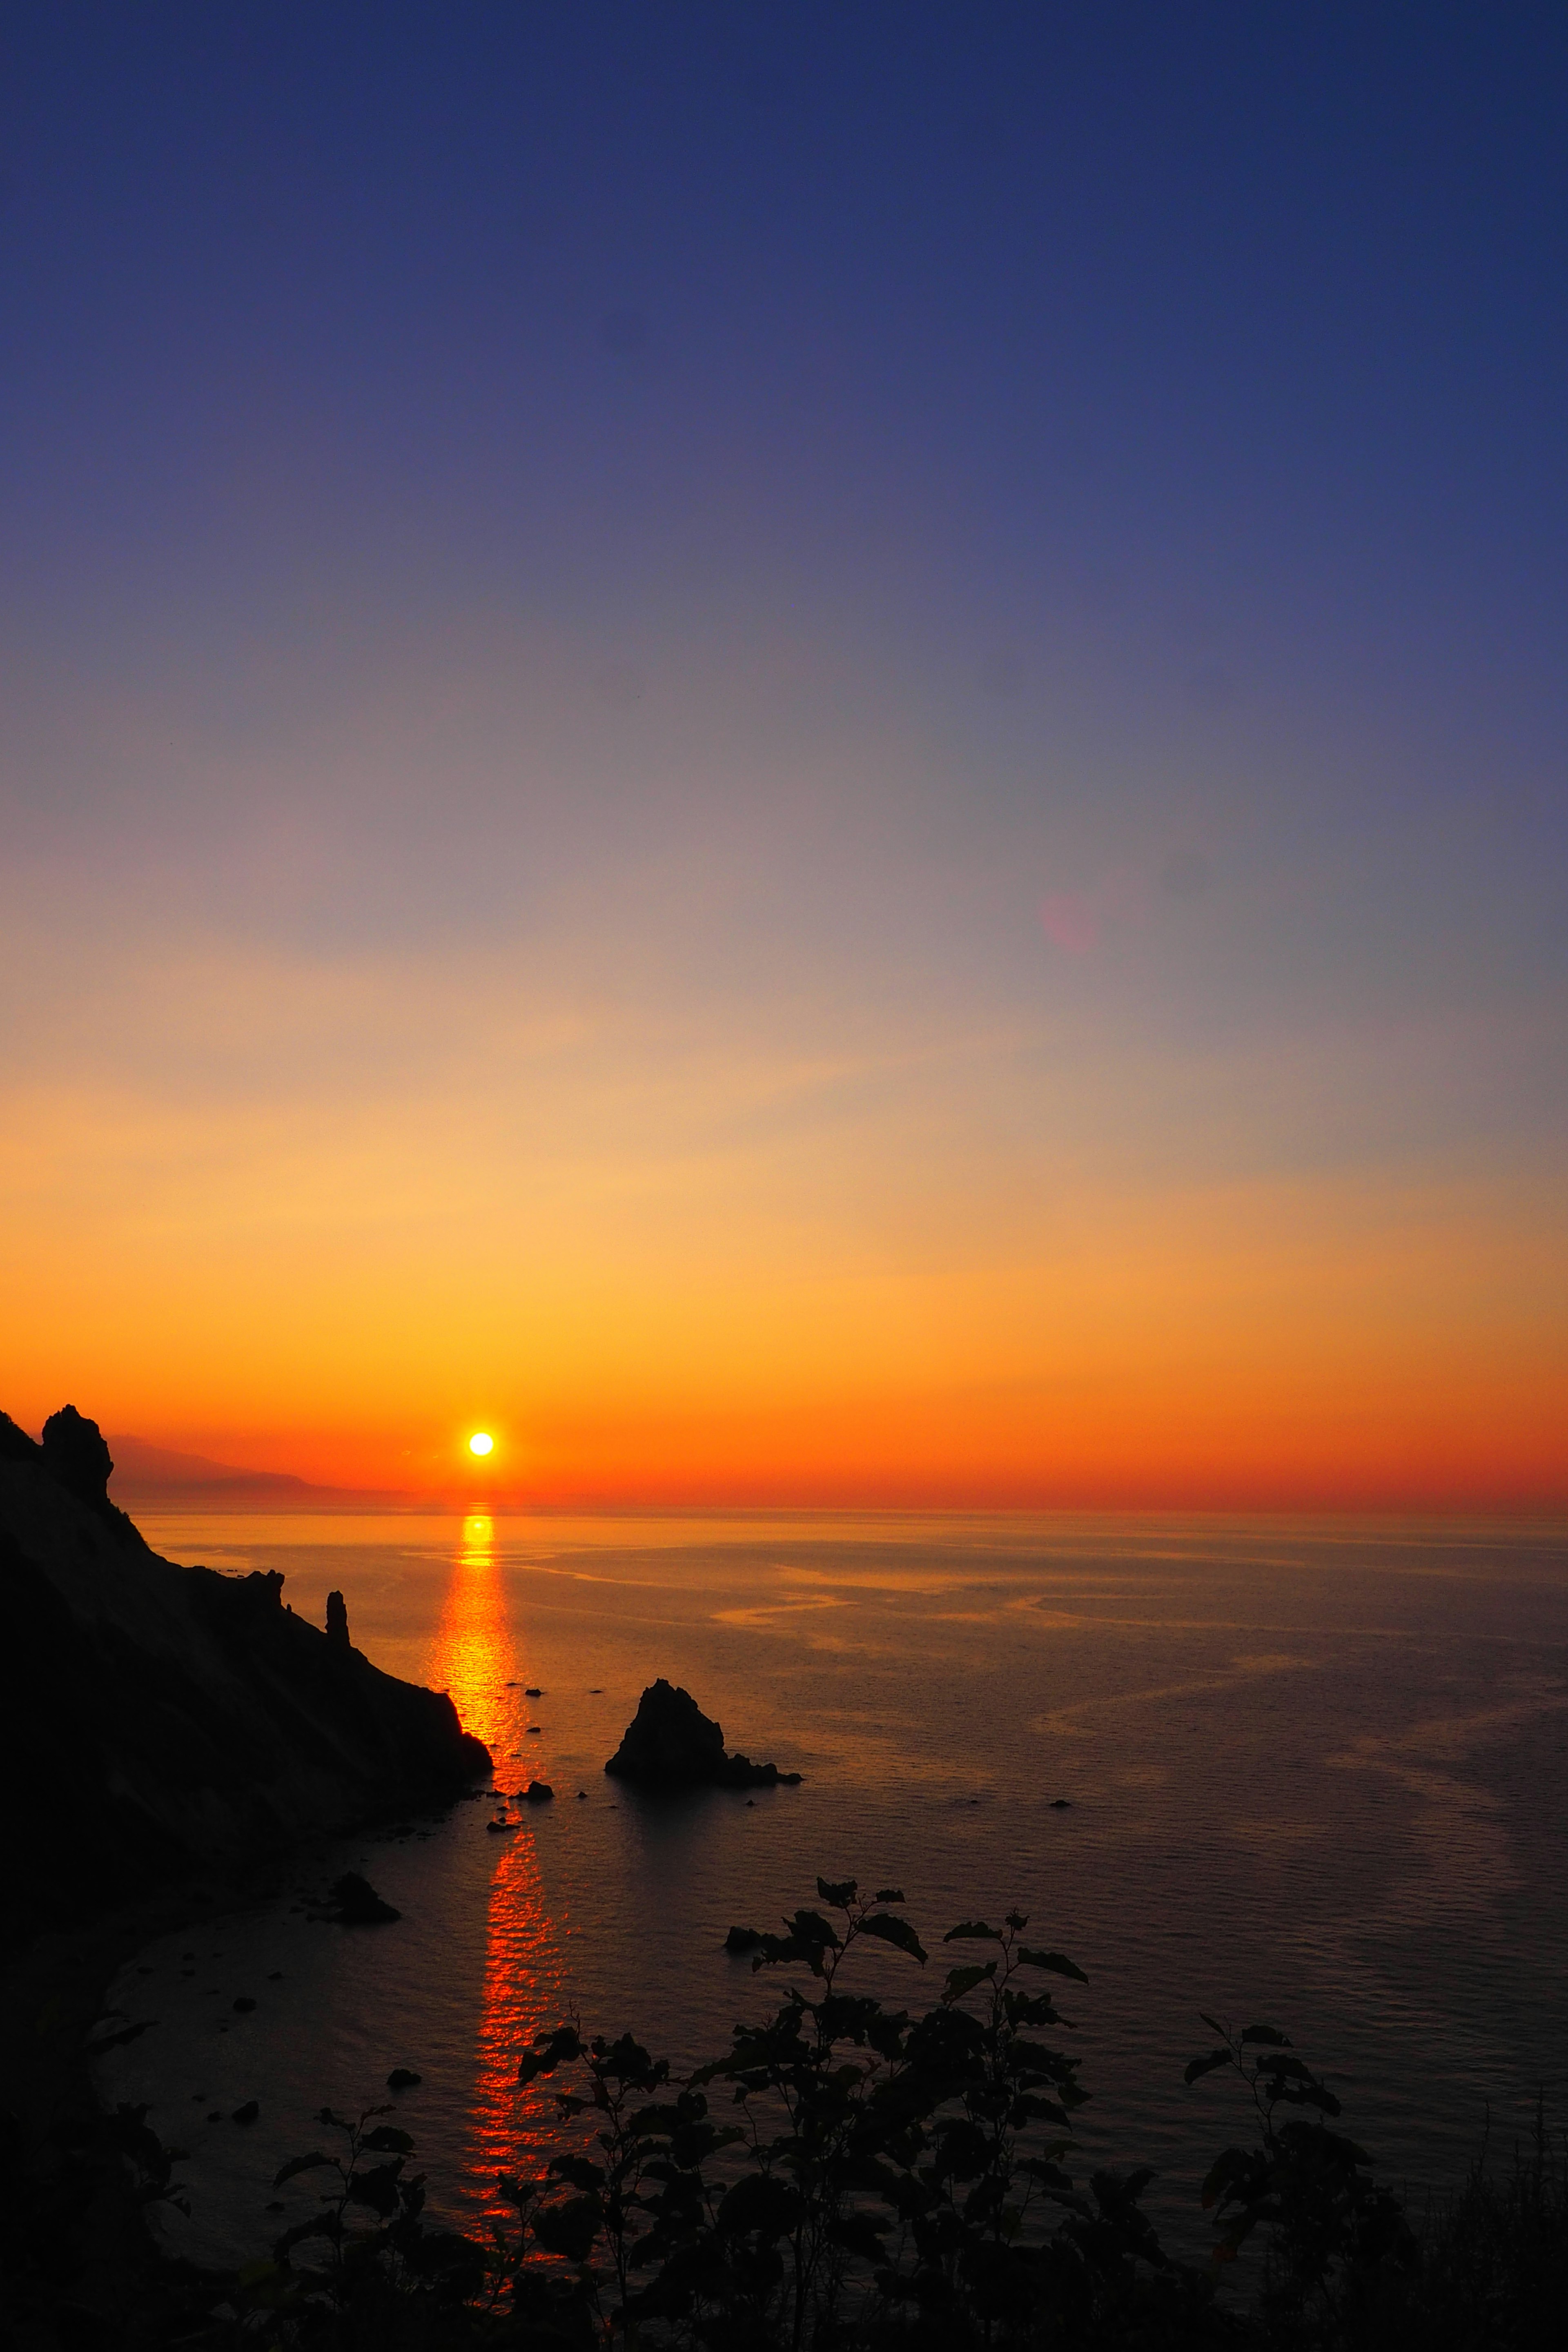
(157, 1720)
(671, 1744)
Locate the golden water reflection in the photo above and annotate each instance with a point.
(474, 1655)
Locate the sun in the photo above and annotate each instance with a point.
(482, 1442)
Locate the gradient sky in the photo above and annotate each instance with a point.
(811, 753)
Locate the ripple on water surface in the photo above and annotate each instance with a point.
(1316, 1773)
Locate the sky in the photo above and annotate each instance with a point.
(811, 754)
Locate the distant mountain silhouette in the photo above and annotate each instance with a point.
(146, 1473)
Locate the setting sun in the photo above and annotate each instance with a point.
(481, 1444)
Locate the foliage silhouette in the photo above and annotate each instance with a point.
(851, 2176)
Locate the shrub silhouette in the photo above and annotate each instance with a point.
(867, 2177)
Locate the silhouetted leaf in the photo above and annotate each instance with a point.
(891, 1929)
(859, 2233)
(1269, 2033)
(550, 2051)
(1198, 2066)
(973, 1931)
(568, 2230)
(1057, 1963)
(809, 1929)
(387, 2140)
(760, 2204)
(378, 2189)
(889, 1893)
(298, 2164)
(837, 1893)
(578, 2171)
(962, 1980)
(319, 2225)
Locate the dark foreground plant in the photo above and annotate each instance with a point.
(856, 2176)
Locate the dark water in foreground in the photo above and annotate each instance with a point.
(1318, 1774)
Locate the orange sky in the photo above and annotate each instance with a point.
(797, 805)
(708, 1265)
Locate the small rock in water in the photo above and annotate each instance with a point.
(403, 2078)
(533, 1731)
(742, 1939)
(1061, 1804)
(538, 1792)
(357, 1903)
(533, 1690)
(500, 1825)
(274, 1976)
(581, 1794)
(248, 2113)
(243, 2001)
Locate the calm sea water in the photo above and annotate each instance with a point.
(1317, 1774)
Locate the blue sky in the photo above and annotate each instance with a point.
(1011, 556)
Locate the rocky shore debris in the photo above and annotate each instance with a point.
(353, 1902)
(117, 2040)
(671, 1744)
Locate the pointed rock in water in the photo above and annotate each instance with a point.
(403, 2078)
(338, 1621)
(671, 1744)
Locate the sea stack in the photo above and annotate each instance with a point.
(671, 1744)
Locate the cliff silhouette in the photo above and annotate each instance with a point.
(158, 1720)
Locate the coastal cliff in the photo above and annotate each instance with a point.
(158, 1720)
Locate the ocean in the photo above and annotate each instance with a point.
(1315, 1773)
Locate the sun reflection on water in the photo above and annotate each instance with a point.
(474, 1657)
